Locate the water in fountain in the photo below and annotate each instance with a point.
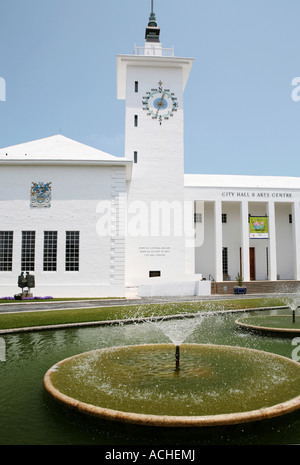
(293, 302)
(127, 383)
(178, 330)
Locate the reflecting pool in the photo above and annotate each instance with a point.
(29, 416)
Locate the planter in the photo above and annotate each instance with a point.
(240, 290)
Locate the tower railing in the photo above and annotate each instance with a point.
(154, 51)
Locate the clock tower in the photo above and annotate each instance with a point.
(152, 82)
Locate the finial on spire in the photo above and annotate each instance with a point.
(152, 18)
(152, 31)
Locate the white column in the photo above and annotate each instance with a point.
(218, 242)
(272, 242)
(296, 239)
(199, 225)
(245, 240)
(190, 236)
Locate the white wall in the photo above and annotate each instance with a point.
(231, 235)
(157, 178)
(76, 192)
(204, 254)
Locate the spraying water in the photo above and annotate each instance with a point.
(178, 331)
(293, 302)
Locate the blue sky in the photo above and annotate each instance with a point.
(58, 59)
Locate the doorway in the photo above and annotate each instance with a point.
(251, 263)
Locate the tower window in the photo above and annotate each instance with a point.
(135, 156)
(136, 121)
(136, 86)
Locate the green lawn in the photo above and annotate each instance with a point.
(37, 318)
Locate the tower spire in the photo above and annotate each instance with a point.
(152, 18)
(152, 31)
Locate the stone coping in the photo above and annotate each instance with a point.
(171, 421)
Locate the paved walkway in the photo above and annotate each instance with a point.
(63, 305)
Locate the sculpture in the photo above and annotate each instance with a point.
(25, 281)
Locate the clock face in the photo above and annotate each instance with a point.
(160, 103)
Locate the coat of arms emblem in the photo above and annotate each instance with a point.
(40, 195)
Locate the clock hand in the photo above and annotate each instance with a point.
(160, 104)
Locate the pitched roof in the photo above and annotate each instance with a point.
(55, 148)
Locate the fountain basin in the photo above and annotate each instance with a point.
(280, 325)
(216, 385)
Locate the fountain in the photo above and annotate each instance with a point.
(282, 325)
(293, 302)
(210, 385)
(177, 331)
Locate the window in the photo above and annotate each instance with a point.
(154, 274)
(290, 218)
(135, 155)
(72, 250)
(197, 217)
(50, 251)
(6, 250)
(136, 121)
(224, 217)
(225, 261)
(28, 251)
(136, 86)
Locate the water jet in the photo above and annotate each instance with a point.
(177, 357)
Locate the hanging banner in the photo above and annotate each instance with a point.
(258, 227)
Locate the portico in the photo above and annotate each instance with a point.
(228, 247)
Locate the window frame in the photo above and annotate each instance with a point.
(72, 250)
(6, 250)
(50, 251)
(28, 251)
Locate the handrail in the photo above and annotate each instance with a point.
(154, 51)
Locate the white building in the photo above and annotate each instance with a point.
(89, 224)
